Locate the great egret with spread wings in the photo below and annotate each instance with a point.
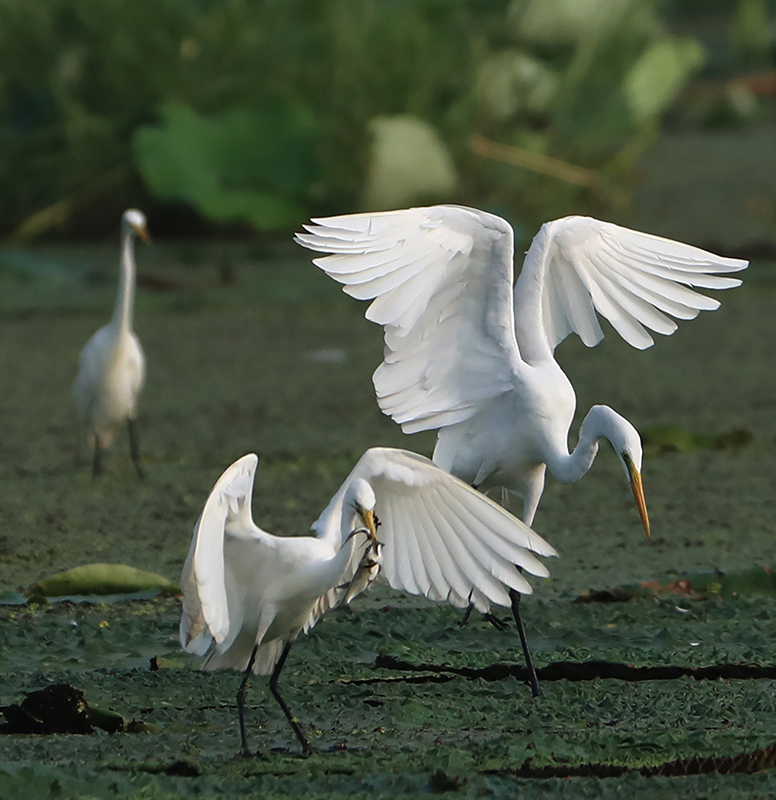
(111, 368)
(250, 593)
(472, 356)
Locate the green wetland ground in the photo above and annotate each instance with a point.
(252, 350)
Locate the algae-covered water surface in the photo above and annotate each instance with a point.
(256, 351)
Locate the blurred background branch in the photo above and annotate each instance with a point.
(544, 165)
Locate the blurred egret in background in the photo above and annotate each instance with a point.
(251, 593)
(111, 367)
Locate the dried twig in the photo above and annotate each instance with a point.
(536, 162)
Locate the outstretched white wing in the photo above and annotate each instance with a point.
(227, 512)
(441, 538)
(577, 266)
(440, 281)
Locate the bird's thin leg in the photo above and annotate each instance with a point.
(244, 751)
(134, 449)
(467, 613)
(532, 677)
(532, 492)
(97, 468)
(273, 687)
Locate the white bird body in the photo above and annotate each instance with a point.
(506, 441)
(249, 594)
(439, 538)
(111, 367)
(111, 371)
(289, 574)
(472, 355)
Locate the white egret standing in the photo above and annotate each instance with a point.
(111, 367)
(471, 356)
(252, 593)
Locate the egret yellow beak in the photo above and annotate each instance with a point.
(634, 477)
(371, 524)
(142, 233)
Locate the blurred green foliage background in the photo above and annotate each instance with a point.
(255, 114)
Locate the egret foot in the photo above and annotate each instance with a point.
(498, 624)
(260, 754)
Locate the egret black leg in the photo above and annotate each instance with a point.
(134, 450)
(273, 687)
(532, 677)
(515, 598)
(466, 615)
(97, 468)
(244, 751)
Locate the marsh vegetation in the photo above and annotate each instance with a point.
(248, 365)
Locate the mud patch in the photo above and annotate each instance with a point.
(58, 709)
(579, 671)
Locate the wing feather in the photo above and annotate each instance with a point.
(450, 553)
(443, 539)
(578, 267)
(494, 537)
(482, 568)
(675, 298)
(437, 587)
(412, 571)
(207, 613)
(440, 281)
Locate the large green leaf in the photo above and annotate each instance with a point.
(660, 73)
(409, 163)
(514, 81)
(254, 165)
(101, 580)
(554, 22)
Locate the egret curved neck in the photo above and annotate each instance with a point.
(122, 314)
(569, 467)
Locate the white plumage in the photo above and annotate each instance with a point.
(250, 593)
(472, 356)
(111, 367)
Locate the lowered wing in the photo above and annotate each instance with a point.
(441, 538)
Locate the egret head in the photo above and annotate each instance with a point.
(626, 442)
(134, 221)
(360, 497)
